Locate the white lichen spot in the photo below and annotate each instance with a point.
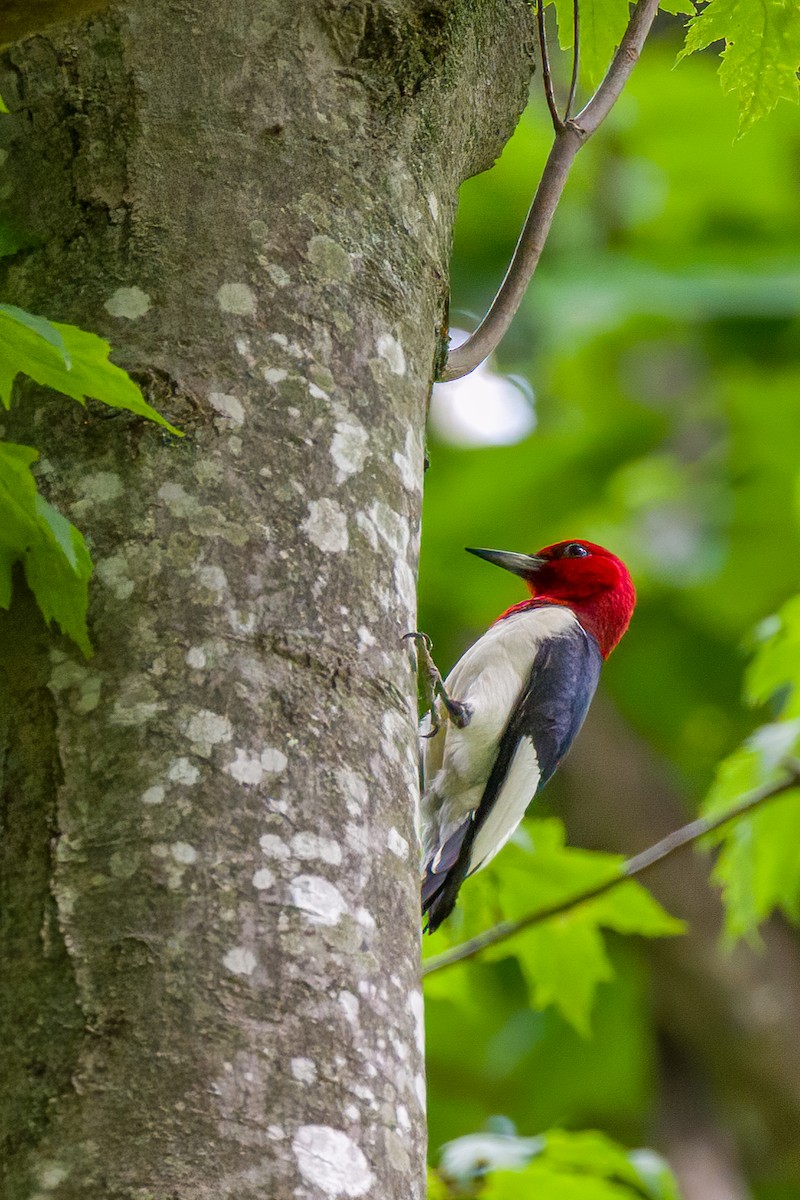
(196, 658)
(183, 771)
(280, 277)
(128, 302)
(326, 526)
(240, 961)
(397, 843)
(51, 1175)
(100, 487)
(330, 259)
(206, 729)
(275, 375)
(113, 572)
(213, 579)
(153, 795)
(433, 205)
(183, 853)
(349, 449)
(317, 392)
(263, 879)
(409, 462)
(365, 638)
(245, 768)
(272, 846)
(393, 528)
(307, 845)
(177, 499)
(237, 298)
(365, 918)
(303, 1070)
(354, 790)
(331, 1161)
(394, 730)
(417, 1007)
(368, 529)
(406, 586)
(317, 897)
(273, 761)
(390, 350)
(349, 1005)
(229, 407)
(419, 1088)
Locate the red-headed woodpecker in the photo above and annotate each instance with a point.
(504, 718)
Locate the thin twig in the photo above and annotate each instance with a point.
(569, 138)
(633, 867)
(576, 56)
(547, 75)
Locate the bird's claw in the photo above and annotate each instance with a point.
(432, 686)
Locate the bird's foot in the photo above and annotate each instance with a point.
(432, 686)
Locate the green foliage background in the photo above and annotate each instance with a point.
(661, 338)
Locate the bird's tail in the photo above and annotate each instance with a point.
(445, 871)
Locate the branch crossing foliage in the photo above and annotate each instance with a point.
(564, 959)
(758, 867)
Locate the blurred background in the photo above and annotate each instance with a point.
(647, 398)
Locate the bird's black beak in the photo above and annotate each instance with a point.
(518, 564)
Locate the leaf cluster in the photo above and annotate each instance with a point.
(558, 1164)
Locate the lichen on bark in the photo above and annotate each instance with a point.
(254, 203)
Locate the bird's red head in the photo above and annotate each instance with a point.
(585, 577)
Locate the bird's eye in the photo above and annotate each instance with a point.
(574, 550)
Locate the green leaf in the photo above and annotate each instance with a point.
(540, 1179)
(592, 1153)
(41, 326)
(3, 108)
(67, 359)
(678, 8)
(437, 1188)
(762, 51)
(602, 24)
(758, 868)
(52, 551)
(774, 672)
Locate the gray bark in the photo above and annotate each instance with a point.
(209, 860)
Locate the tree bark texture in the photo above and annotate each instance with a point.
(209, 860)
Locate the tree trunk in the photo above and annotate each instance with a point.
(209, 859)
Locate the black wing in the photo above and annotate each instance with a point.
(550, 711)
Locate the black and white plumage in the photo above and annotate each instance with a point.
(527, 685)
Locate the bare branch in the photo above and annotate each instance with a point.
(633, 867)
(547, 76)
(569, 138)
(576, 56)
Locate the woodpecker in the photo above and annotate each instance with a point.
(500, 724)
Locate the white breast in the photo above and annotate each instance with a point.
(457, 762)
